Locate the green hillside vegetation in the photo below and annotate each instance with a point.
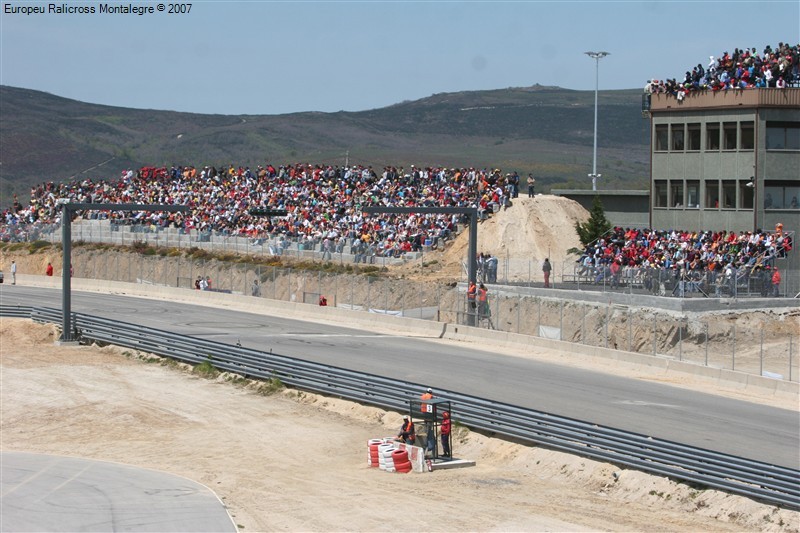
(545, 130)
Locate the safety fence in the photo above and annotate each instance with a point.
(754, 479)
(755, 343)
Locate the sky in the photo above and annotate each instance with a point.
(273, 57)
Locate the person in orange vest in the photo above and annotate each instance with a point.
(427, 412)
(471, 292)
(407, 433)
(445, 428)
(776, 282)
(483, 308)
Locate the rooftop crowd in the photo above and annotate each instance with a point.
(322, 201)
(777, 67)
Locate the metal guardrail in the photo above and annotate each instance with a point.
(773, 484)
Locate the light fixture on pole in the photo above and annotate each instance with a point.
(597, 56)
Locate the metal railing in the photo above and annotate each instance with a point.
(773, 484)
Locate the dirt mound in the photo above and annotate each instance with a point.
(528, 231)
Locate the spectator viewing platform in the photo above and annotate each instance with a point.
(768, 97)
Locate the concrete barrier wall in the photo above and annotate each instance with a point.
(420, 328)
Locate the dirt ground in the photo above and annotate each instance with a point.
(293, 461)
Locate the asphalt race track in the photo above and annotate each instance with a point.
(721, 424)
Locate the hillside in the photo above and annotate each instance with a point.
(545, 130)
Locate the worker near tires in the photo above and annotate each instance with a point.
(445, 429)
(407, 433)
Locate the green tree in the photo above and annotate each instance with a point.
(597, 225)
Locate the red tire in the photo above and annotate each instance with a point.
(400, 456)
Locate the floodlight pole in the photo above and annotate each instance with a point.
(67, 210)
(597, 56)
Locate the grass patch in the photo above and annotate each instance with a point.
(206, 369)
(270, 386)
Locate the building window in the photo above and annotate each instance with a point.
(660, 196)
(676, 194)
(693, 193)
(662, 138)
(694, 138)
(729, 136)
(781, 195)
(712, 195)
(712, 137)
(747, 137)
(746, 194)
(728, 194)
(783, 135)
(677, 137)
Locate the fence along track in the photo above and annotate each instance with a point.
(773, 484)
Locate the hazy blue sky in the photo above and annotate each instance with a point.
(264, 57)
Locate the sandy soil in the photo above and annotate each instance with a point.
(292, 461)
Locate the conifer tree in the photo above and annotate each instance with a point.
(597, 225)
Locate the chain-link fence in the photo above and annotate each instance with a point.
(755, 343)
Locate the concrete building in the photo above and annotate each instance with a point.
(728, 160)
(625, 208)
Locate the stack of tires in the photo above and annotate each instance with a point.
(373, 459)
(385, 461)
(401, 462)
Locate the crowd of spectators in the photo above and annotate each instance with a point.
(777, 67)
(704, 256)
(323, 202)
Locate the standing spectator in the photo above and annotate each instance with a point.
(776, 282)
(472, 292)
(531, 182)
(483, 301)
(49, 270)
(326, 247)
(445, 429)
(546, 268)
(407, 433)
(491, 268)
(256, 289)
(13, 272)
